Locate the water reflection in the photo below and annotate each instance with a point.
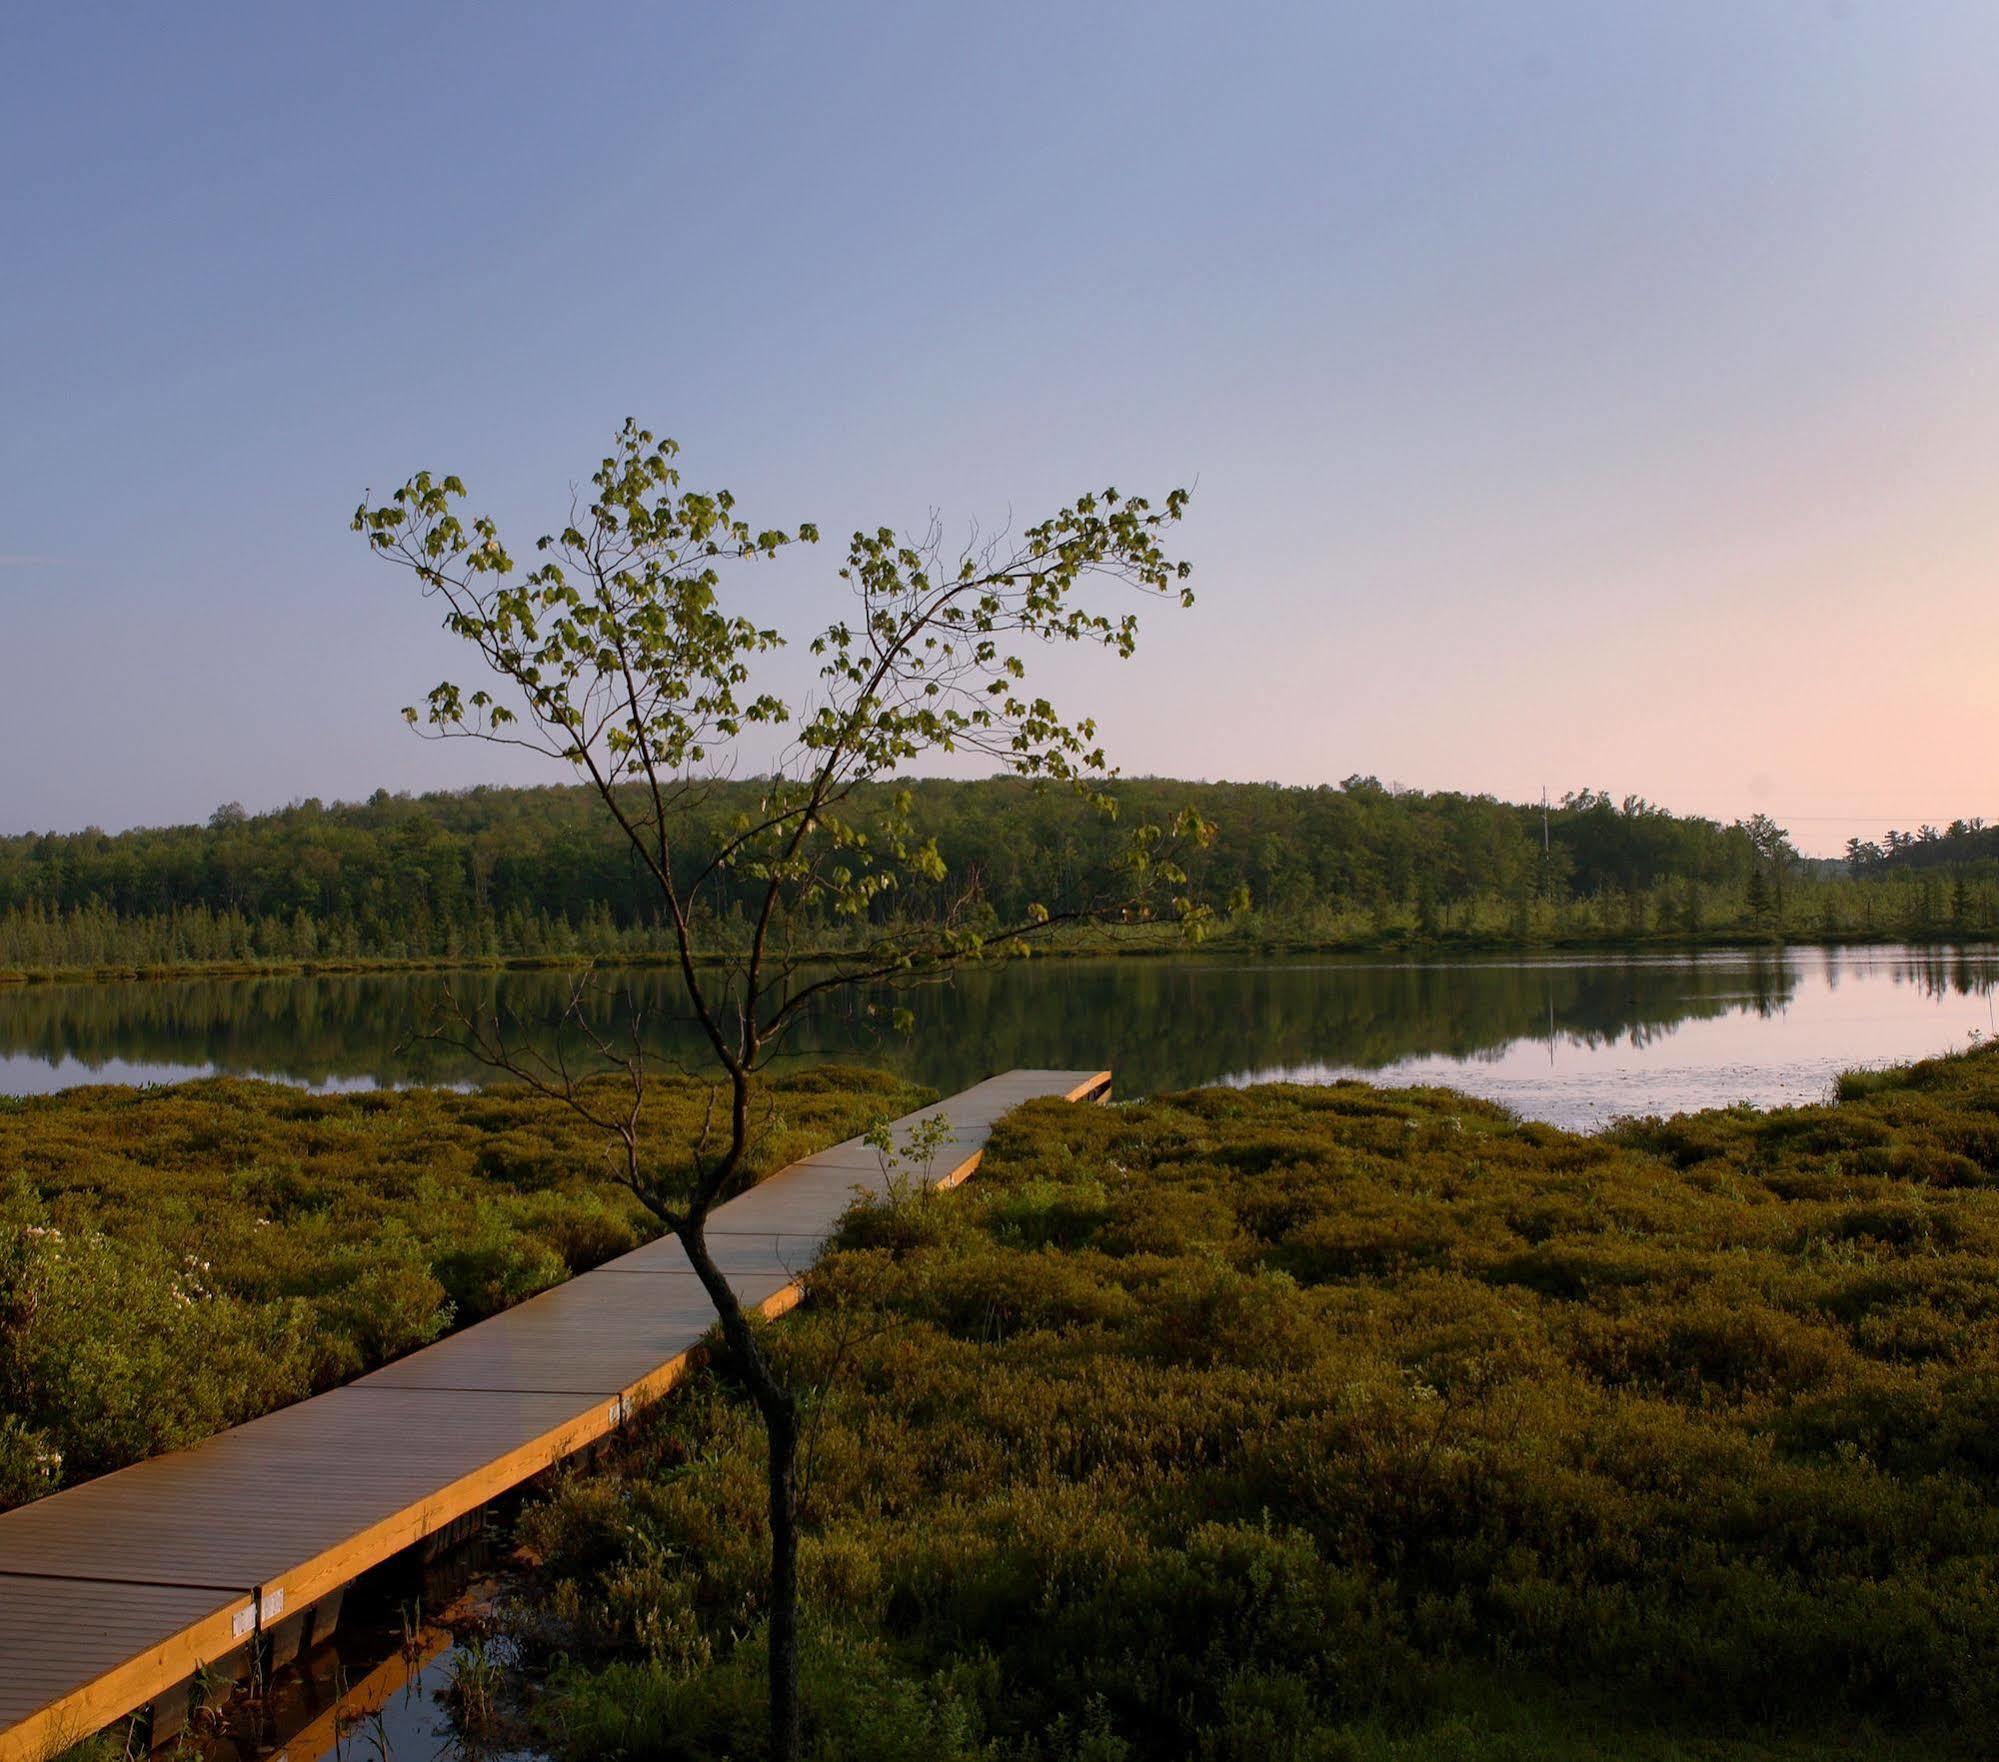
(383, 1689)
(1572, 1040)
(392, 1710)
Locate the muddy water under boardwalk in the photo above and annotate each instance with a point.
(387, 1687)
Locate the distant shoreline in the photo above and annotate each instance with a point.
(1146, 946)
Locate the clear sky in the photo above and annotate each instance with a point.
(1577, 394)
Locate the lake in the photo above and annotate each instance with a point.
(1575, 1040)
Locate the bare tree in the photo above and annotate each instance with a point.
(616, 657)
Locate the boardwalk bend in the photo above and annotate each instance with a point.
(114, 1593)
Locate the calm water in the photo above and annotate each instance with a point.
(1576, 1041)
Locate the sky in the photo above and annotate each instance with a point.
(1573, 395)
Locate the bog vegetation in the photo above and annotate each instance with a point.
(1297, 1422)
(494, 874)
(178, 1260)
(1340, 1422)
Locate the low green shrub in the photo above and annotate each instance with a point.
(177, 1260)
(1333, 1422)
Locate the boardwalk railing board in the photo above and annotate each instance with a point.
(114, 1592)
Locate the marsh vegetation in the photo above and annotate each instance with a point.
(177, 1260)
(1334, 1422)
(1317, 1421)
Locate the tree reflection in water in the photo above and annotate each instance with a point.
(1160, 1023)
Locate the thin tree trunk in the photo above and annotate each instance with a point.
(781, 1432)
(778, 1408)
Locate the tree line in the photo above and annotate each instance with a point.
(500, 873)
(1961, 844)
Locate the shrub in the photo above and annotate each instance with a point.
(177, 1260)
(1334, 1423)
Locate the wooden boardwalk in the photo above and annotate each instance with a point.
(118, 1590)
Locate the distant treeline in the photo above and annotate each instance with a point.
(1961, 844)
(538, 873)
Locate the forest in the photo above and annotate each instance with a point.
(539, 874)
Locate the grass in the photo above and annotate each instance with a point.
(1347, 1423)
(177, 1260)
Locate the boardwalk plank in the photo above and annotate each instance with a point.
(60, 1638)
